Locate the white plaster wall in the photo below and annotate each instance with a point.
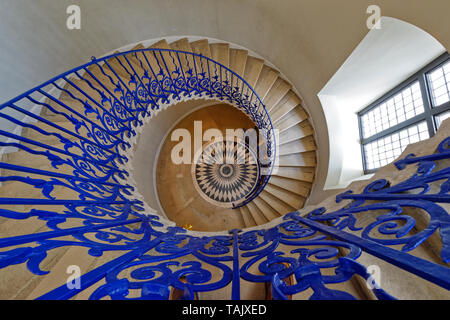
(384, 58)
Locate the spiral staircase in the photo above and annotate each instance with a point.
(71, 192)
(289, 185)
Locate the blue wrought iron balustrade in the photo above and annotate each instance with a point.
(158, 257)
(106, 100)
(265, 169)
(154, 267)
(89, 118)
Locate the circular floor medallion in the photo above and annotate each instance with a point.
(225, 172)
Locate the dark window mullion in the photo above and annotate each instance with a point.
(426, 98)
(440, 109)
(446, 82)
(361, 137)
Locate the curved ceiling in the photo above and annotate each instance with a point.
(307, 40)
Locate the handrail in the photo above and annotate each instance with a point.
(222, 83)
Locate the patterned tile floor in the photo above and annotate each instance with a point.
(225, 172)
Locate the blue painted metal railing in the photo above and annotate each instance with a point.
(119, 90)
(86, 203)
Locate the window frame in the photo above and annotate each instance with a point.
(428, 115)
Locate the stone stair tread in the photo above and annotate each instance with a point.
(277, 204)
(302, 130)
(246, 215)
(301, 159)
(295, 186)
(220, 53)
(253, 67)
(238, 59)
(181, 45)
(278, 90)
(201, 47)
(296, 146)
(266, 79)
(285, 105)
(286, 196)
(266, 210)
(115, 65)
(290, 119)
(298, 173)
(256, 213)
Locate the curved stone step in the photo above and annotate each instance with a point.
(295, 186)
(290, 119)
(266, 80)
(278, 90)
(183, 44)
(238, 60)
(201, 47)
(298, 173)
(246, 215)
(300, 131)
(256, 213)
(253, 67)
(220, 53)
(297, 146)
(114, 63)
(278, 205)
(288, 102)
(286, 196)
(302, 159)
(265, 209)
(164, 57)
